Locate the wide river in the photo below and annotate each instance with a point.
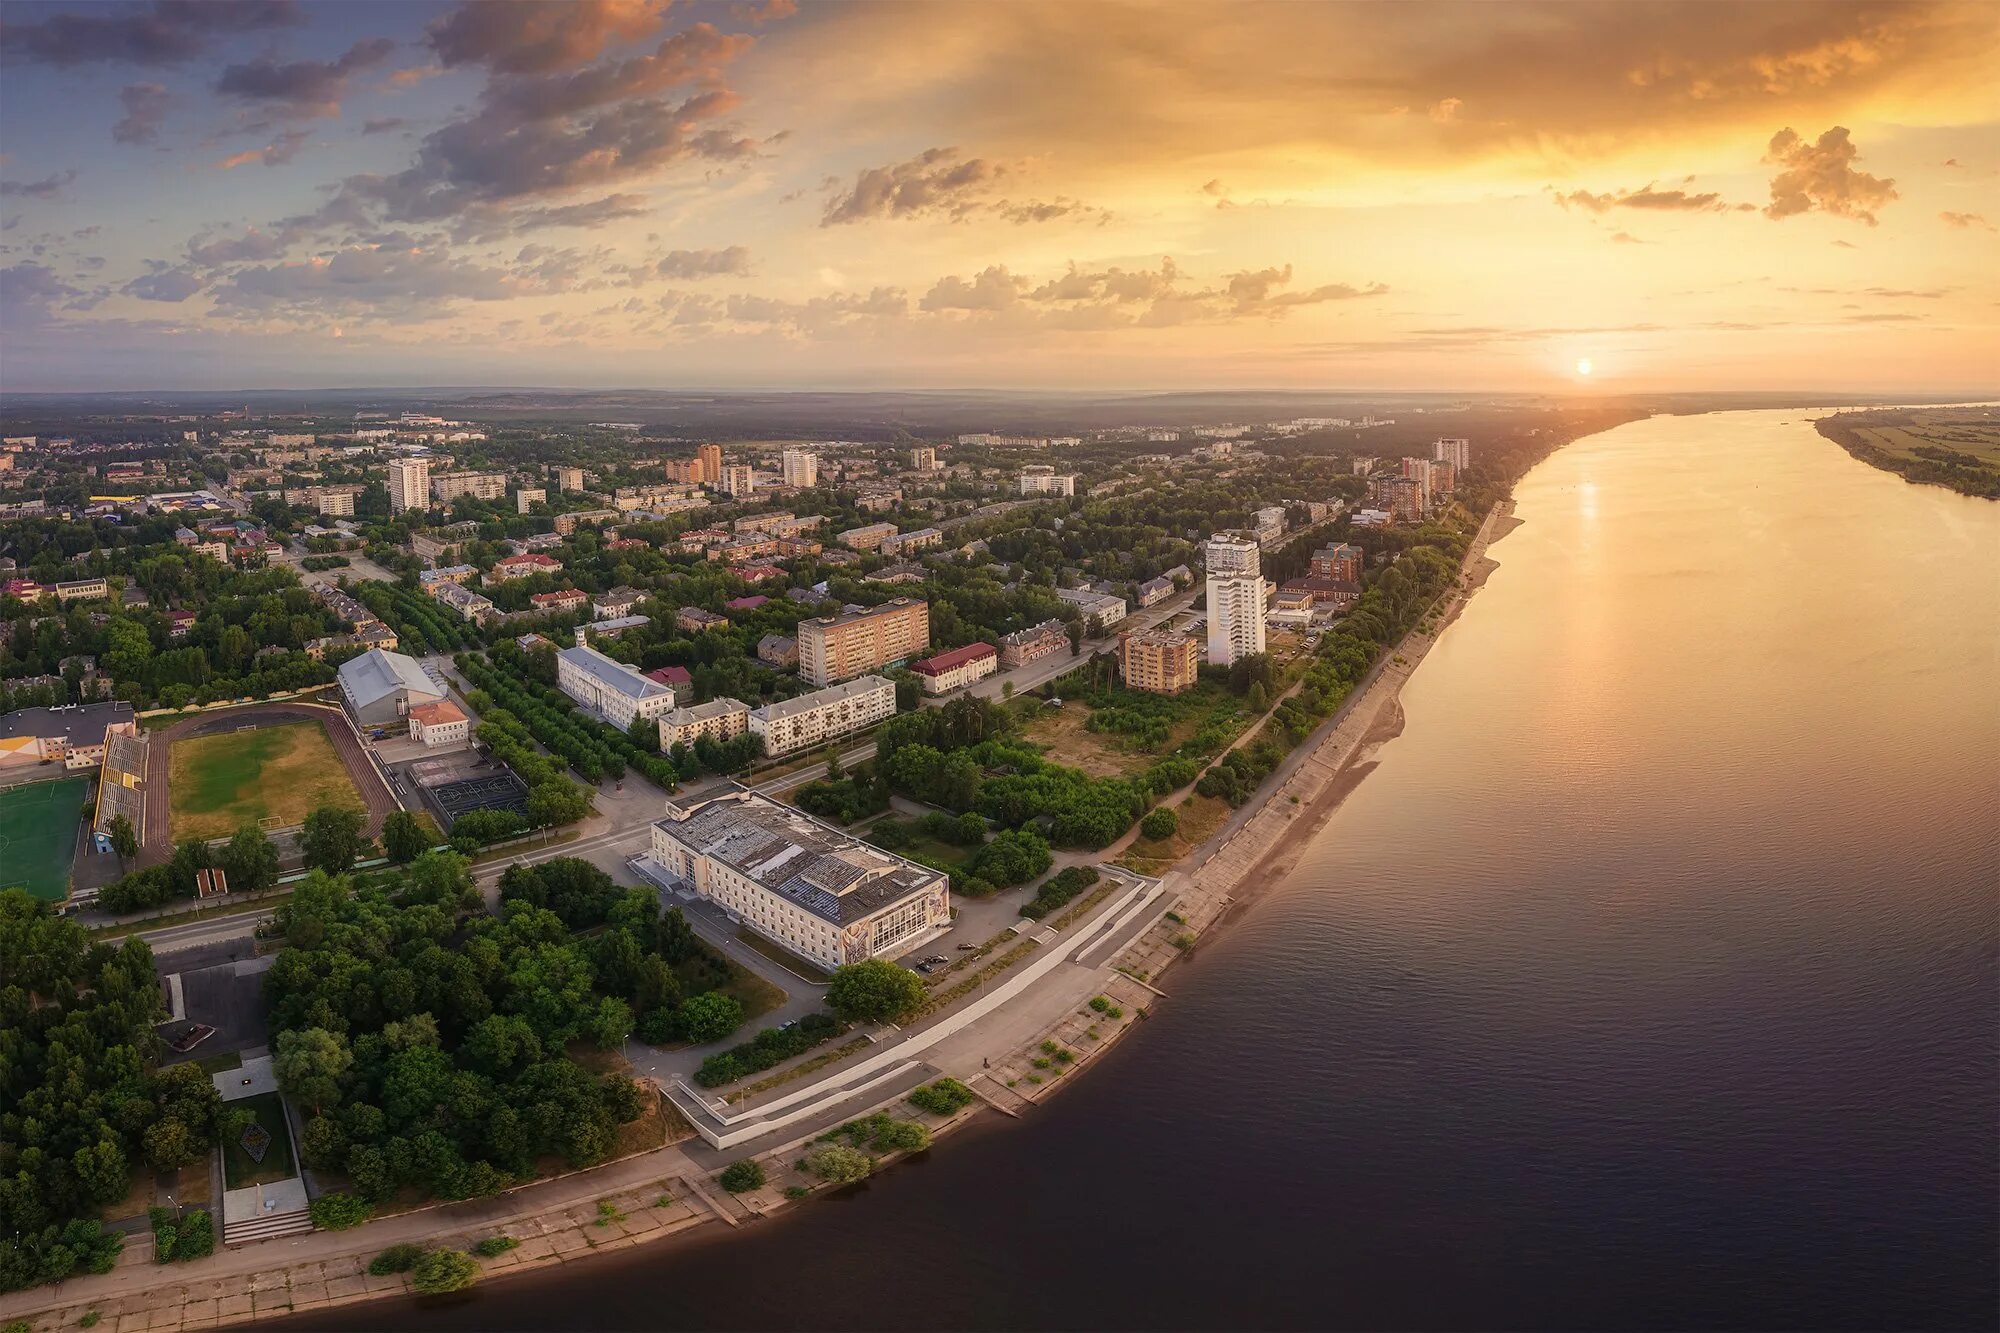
(1652, 979)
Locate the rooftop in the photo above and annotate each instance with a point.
(437, 714)
(83, 724)
(972, 652)
(379, 673)
(832, 694)
(612, 673)
(681, 717)
(789, 853)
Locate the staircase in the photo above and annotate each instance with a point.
(267, 1227)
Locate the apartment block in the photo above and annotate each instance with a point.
(1159, 661)
(835, 648)
(718, 720)
(409, 484)
(790, 725)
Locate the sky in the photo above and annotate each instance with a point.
(1088, 194)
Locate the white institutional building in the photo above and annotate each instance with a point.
(804, 884)
(1236, 598)
(607, 687)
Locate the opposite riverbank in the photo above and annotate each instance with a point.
(666, 1192)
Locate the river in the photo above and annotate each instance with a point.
(1651, 980)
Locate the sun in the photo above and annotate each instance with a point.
(1583, 366)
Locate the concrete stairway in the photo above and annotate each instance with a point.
(267, 1227)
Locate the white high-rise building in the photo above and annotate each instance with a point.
(1236, 598)
(801, 468)
(1458, 453)
(738, 480)
(409, 484)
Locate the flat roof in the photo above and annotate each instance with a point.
(83, 725)
(805, 703)
(610, 672)
(379, 673)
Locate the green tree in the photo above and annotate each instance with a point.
(1160, 823)
(875, 991)
(441, 1271)
(332, 838)
(744, 1175)
(310, 1063)
(403, 837)
(838, 1164)
(611, 1023)
(710, 1016)
(338, 1212)
(123, 840)
(250, 860)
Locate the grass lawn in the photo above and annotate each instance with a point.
(238, 1167)
(38, 835)
(220, 783)
(1062, 734)
(1200, 817)
(757, 996)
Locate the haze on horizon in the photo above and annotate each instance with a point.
(245, 193)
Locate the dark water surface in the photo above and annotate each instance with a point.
(1651, 981)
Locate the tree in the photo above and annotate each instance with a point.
(338, 1212)
(123, 840)
(403, 837)
(1006, 689)
(874, 991)
(1160, 823)
(744, 1175)
(611, 1023)
(250, 860)
(332, 838)
(838, 1164)
(310, 1063)
(442, 1271)
(710, 1016)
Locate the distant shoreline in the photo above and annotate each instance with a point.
(1952, 469)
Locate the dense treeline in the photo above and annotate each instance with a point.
(83, 1102)
(249, 859)
(593, 749)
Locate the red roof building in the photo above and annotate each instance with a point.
(677, 677)
(959, 667)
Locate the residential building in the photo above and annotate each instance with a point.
(1101, 608)
(566, 523)
(568, 599)
(441, 723)
(522, 566)
(801, 468)
(1322, 591)
(82, 590)
(710, 458)
(833, 648)
(381, 687)
(1154, 591)
(918, 539)
(958, 668)
(739, 480)
(1270, 524)
(463, 600)
(1338, 560)
(799, 882)
(74, 736)
(618, 602)
(1458, 453)
(607, 687)
(1236, 597)
(617, 625)
(1032, 644)
(448, 486)
(676, 678)
(923, 459)
(696, 620)
(868, 537)
(1041, 479)
(718, 720)
(429, 579)
(442, 543)
(778, 650)
(790, 725)
(1159, 661)
(409, 484)
(527, 497)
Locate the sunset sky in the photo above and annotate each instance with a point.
(224, 193)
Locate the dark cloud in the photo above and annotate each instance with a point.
(276, 153)
(146, 107)
(935, 183)
(488, 222)
(302, 89)
(167, 284)
(769, 11)
(1821, 176)
(251, 245)
(164, 33)
(392, 283)
(694, 55)
(384, 125)
(688, 264)
(1646, 198)
(46, 188)
(29, 293)
(539, 36)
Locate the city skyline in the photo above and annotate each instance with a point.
(620, 193)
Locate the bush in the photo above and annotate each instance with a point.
(710, 1016)
(440, 1271)
(944, 1097)
(902, 1136)
(183, 1239)
(1061, 887)
(770, 1047)
(839, 1165)
(874, 991)
(744, 1175)
(338, 1212)
(494, 1246)
(1160, 824)
(395, 1259)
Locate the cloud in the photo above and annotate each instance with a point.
(302, 89)
(994, 288)
(276, 153)
(1446, 110)
(168, 284)
(1626, 238)
(937, 182)
(1965, 220)
(1821, 176)
(403, 284)
(696, 54)
(686, 264)
(1115, 297)
(166, 32)
(1647, 198)
(46, 188)
(146, 107)
(767, 12)
(539, 36)
(1258, 292)
(29, 293)
(251, 245)
(383, 125)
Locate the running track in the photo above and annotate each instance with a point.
(159, 839)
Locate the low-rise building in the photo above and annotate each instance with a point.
(568, 599)
(73, 736)
(813, 719)
(617, 602)
(1159, 661)
(1100, 607)
(1154, 591)
(718, 720)
(441, 723)
(868, 537)
(1041, 479)
(618, 625)
(1338, 560)
(1032, 644)
(428, 579)
(567, 523)
(463, 600)
(82, 590)
(618, 693)
(379, 688)
(918, 539)
(778, 650)
(799, 882)
(696, 620)
(522, 566)
(958, 668)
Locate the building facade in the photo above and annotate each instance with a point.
(607, 687)
(448, 486)
(790, 725)
(868, 537)
(958, 668)
(1100, 607)
(1236, 599)
(718, 719)
(1458, 453)
(835, 648)
(801, 468)
(1159, 661)
(409, 484)
(441, 723)
(1338, 560)
(1032, 644)
(1041, 479)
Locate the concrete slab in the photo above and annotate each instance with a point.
(253, 1080)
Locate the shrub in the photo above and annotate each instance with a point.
(876, 991)
(1101, 1004)
(440, 1271)
(943, 1097)
(710, 1016)
(838, 1165)
(1160, 824)
(796, 1191)
(494, 1246)
(338, 1212)
(744, 1175)
(89, 1319)
(767, 1048)
(902, 1136)
(395, 1259)
(1060, 888)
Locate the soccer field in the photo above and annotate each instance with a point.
(217, 784)
(38, 835)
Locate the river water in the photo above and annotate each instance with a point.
(1652, 980)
